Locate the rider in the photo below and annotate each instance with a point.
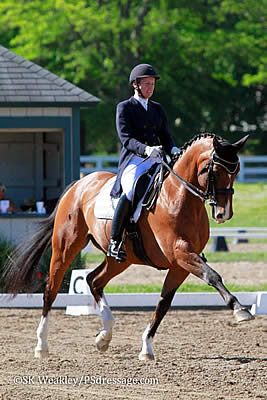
(143, 131)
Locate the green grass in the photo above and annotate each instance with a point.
(249, 206)
(223, 256)
(186, 287)
(91, 258)
(219, 256)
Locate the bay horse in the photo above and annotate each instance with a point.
(174, 235)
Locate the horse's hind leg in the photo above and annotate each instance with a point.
(172, 281)
(97, 280)
(66, 244)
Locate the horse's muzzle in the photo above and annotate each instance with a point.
(221, 214)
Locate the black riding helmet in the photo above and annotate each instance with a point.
(142, 71)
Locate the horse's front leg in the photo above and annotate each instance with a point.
(104, 337)
(172, 281)
(194, 264)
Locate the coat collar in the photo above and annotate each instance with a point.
(133, 100)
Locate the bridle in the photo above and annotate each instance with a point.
(211, 192)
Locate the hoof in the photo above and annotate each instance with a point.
(41, 353)
(102, 341)
(102, 346)
(243, 315)
(146, 357)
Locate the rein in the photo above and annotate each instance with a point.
(211, 191)
(189, 186)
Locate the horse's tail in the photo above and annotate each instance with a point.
(18, 271)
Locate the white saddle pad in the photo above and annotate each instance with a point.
(105, 205)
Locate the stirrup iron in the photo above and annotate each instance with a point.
(115, 250)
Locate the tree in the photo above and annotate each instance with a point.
(209, 53)
(221, 88)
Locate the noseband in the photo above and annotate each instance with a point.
(211, 191)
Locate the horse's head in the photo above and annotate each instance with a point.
(217, 175)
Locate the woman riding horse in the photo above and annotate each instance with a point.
(143, 131)
(174, 235)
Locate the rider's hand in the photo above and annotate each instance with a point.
(153, 151)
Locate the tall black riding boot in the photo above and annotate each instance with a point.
(121, 216)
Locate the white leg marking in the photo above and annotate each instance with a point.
(41, 350)
(106, 314)
(105, 335)
(147, 351)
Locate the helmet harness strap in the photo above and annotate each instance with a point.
(138, 88)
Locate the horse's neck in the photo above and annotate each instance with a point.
(187, 165)
(187, 168)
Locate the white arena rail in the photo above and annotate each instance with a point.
(89, 164)
(239, 233)
(252, 168)
(79, 300)
(122, 300)
(84, 304)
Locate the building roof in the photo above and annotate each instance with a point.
(27, 84)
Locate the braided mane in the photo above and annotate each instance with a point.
(193, 140)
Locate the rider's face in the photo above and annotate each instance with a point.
(147, 86)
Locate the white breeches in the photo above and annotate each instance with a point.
(136, 167)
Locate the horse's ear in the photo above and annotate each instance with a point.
(238, 145)
(216, 144)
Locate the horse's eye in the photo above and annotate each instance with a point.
(204, 169)
(217, 172)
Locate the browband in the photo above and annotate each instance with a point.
(230, 167)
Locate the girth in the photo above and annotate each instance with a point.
(135, 236)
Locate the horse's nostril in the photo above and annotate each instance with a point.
(219, 216)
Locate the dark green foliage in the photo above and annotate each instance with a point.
(42, 269)
(5, 250)
(210, 55)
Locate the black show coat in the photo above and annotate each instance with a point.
(138, 128)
